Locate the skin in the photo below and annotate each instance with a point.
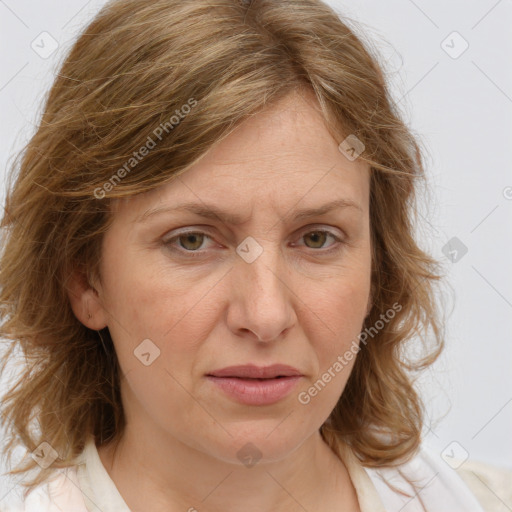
(295, 304)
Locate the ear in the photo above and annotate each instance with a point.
(85, 301)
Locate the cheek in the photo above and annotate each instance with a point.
(338, 307)
(166, 308)
(335, 321)
(173, 319)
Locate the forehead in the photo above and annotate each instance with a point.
(283, 157)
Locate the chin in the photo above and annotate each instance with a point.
(271, 441)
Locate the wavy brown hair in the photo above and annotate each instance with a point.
(130, 70)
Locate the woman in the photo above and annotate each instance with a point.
(209, 264)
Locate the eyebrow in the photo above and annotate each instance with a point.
(212, 212)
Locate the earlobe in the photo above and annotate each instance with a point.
(85, 302)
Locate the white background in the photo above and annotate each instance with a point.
(462, 110)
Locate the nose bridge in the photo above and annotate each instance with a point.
(263, 292)
(262, 262)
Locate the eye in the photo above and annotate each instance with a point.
(318, 237)
(189, 241)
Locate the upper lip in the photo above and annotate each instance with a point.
(251, 371)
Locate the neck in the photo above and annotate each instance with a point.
(173, 476)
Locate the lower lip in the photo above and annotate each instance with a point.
(256, 392)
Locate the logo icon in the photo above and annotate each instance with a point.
(44, 455)
(454, 45)
(249, 455)
(44, 45)
(454, 455)
(249, 250)
(146, 352)
(454, 250)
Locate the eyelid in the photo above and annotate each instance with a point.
(322, 227)
(339, 240)
(202, 230)
(305, 229)
(167, 240)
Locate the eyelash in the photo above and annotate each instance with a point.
(197, 253)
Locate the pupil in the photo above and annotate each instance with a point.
(317, 235)
(192, 237)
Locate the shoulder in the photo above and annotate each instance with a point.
(490, 484)
(428, 482)
(60, 492)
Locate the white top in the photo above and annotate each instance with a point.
(87, 487)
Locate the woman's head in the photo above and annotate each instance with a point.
(269, 287)
(261, 111)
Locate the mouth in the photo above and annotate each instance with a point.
(252, 378)
(253, 372)
(252, 385)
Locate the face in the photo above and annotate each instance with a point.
(185, 294)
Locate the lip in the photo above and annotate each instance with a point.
(254, 385)
(251, 371)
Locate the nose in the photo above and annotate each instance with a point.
(261, 303)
